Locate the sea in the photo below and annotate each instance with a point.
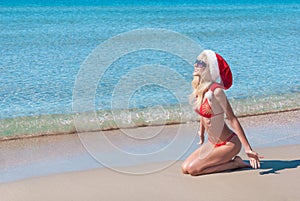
(124, 64)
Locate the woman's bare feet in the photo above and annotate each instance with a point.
(240, 163)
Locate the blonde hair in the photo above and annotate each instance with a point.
(201, 83)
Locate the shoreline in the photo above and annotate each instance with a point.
(73, 131)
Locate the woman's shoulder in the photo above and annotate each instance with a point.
(215, 86)
(218, 90)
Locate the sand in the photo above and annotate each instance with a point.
(278, 179)
(26, 168)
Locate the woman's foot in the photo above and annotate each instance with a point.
(240, 163)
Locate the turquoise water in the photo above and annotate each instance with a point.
(43, 46)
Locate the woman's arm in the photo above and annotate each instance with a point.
(231, 118)
(201, 132)
(236, 126)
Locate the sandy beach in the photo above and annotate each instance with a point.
(60, 168)
(97, 98)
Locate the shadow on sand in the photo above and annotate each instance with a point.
(273, 166)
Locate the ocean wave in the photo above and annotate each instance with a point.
(29, 126)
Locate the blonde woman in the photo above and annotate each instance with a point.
(212, 76)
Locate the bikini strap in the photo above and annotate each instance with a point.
(209, 93)
(216, 85)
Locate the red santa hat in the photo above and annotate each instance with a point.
(219, 68)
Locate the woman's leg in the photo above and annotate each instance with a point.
(219, 159)
(236, 163)
(204, 150)
(191, 158)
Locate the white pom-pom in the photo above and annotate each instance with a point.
(214, 66)
(208, 95)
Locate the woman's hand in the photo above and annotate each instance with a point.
(254, 159)
(201, 135)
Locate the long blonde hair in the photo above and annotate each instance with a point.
(201, 83)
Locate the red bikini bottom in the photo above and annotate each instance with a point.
(224, 142)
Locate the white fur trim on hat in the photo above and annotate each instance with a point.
(214, 66)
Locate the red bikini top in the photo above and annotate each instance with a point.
(205, 108)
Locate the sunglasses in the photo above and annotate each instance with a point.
(200, 63)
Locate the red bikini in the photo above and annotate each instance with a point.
(224, 142)
(205, 108)
(206, 111)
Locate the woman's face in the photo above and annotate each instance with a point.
(199, 67)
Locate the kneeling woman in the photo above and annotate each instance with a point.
(224, 143)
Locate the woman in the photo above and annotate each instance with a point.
(219, 153)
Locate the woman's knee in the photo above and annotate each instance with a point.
(184, 168)
(188, 168)
(194, 168)
(194, 171)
